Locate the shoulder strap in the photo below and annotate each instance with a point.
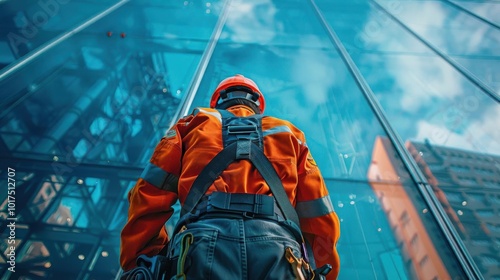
(225, 114)
(241, 149)
(207, 176)
(262, 163)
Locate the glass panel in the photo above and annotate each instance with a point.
(448, 123)
(51, 259)
(432, 102)
(8, 256)
(470, 41)
(59, 224)
(111, 92)
(385, 215)
(487, 10)
(455, 24)
(45, 196)
(95, 100)
(27, 25)
(362, 28)
(13, 186)
(400, 240)
(81, 118)
(321, 98)
(37, 253)
(105, 263)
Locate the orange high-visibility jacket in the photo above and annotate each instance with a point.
(189, 146)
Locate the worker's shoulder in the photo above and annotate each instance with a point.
(197, 117)
(270, 122)
(276, 120)
(272, 119)
(202, 113)
(203, 110)
(238, 111)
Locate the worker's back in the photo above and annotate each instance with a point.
(238, 177)
(202, 140)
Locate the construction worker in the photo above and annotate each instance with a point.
(234, 221)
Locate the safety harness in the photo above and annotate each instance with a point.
(243, 140)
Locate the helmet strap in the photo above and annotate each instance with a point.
(238, 95)
(238, 101)
(254, 95)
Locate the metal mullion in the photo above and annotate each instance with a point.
(457, 66)
(202, 66)
(41, 50)
(444, 224)
(198, 76)
(478, 17)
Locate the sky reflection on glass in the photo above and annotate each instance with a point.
(423, 96)
(304, 81)
(101, 102)
(487, 10)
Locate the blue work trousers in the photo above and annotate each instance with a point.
(234, 248)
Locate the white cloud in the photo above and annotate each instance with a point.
(486, 131)
(423, 78)
(251, 22)
(418, 78)
(482, 135)
(313, 70)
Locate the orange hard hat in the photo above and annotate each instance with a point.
(238, 83)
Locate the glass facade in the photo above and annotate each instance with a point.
(399, 101)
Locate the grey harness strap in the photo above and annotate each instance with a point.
(243, 140)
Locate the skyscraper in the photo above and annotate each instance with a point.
(387, 92)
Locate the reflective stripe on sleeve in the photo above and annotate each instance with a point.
(314, 208)
(160, 178)
(278, 129)
(215, 114)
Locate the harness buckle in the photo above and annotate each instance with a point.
(249, 215)
(241, 129)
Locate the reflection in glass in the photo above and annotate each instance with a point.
(485, 10)
(448, 122)
(424, 250)
(72, 113)
(467, 172)
(313, 89)
(45, 196)
(81, 119)
(31, 25)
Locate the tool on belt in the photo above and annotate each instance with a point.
(302, 270)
